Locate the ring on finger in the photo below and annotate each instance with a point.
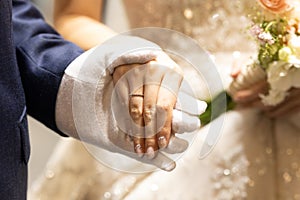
(136, 95)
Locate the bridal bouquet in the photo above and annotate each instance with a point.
(276, 29)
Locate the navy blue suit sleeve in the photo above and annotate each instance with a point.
(42, 56)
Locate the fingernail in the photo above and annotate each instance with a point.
(150, 153)
(139, 150)
(169, 166)
(162, 142)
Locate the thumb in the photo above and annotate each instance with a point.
(176, 145)
(183, 122)
(161, 161)
(189, 104)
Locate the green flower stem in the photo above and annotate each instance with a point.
(269, 25)
(217, 107)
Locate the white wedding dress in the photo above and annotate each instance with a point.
(255, 157)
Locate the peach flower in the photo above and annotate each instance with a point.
(276, 6)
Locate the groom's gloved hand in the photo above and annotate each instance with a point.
(85, 107)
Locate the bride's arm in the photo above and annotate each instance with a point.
(80, 22)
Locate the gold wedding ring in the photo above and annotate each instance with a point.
(136, 95)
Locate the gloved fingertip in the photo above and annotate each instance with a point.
(190, 104)
(202, 105)
(168, 166)
(183, 122)
(176, 145)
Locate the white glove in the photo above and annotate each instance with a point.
(84, 109)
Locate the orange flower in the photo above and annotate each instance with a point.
(276, 6)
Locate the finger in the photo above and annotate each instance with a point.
(283, 111)
(120, 72)
(135, 81)
(183, 122)
(235, 71)
(154, 74)
(151, 146)
(167, 96)
(121, 90)
(256, 103)
(124, 147)
(248, 95)
(137, 123)
(161, 161)
(120, 103)
(189, 104)
(150, 92)
(176, 145)
(289, 106)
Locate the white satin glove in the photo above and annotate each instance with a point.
(84, 103)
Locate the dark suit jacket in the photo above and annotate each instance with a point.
(33, 58)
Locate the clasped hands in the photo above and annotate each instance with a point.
(145, 108)
(126, 96)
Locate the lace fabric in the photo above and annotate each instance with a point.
(222, 22)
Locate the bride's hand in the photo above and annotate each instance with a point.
(249, 97)
(290, 105)
(149, 92)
